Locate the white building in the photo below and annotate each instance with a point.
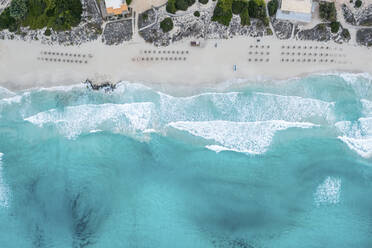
(295, 10)
(116, 7)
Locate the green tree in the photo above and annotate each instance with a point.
(166, 25)
(203, 1)
(272, 7)
(6, 21)
(327, 11)
(171, 6)
(197, 13)
(244, 18)
(238, 6)
(190, 2)
(18, 9)
(257, 9)
(181, 5)
(358, 3)
(222, 12)
(335, 26)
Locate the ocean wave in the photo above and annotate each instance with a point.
(245, 137)
(5, 93)
(118, 118)
(357, 135)
(328, 192)
(4, 190)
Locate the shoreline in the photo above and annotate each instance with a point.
(23, 65)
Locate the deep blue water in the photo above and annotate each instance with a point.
(272, 164)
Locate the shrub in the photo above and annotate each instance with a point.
(272, 7)
(197, 13)
(18, 9)
(266, 21)
(145, 16)
(327, 11)
(322, 27)
(222, 12)
(238, 6)
(166, 25)
(269, 31)
(203, 1)
(335, 26)
(358, 3)
(345, 34)
(47, 32)
(244, 18)
(129, 2)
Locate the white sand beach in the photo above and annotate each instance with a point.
(30, 64)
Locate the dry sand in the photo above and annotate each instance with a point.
(204, 66)
(143, 5)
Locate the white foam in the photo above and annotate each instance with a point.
(120, 118)
(239, 107)
(246, 137)
(291, 108)
(357, 135)
(5, 93)
(10, 100)
(65, 88)
(4, 190)
(362, 146)
(328, 192)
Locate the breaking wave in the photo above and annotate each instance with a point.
(357, 135)
(118, 118)
(246, 137)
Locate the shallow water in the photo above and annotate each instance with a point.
(272, 164)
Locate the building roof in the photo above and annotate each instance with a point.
(115, 4)
(293, 16)
(116, 7)
(299, 6)
(117, 11)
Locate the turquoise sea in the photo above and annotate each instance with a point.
(253, 165)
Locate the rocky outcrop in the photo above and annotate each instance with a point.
(100, 85)
(364, 36)
(117, 32)
(282, 29)
(361, 17)
(146, 18)
(322, 32)
(348, 15)
(186, 25)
